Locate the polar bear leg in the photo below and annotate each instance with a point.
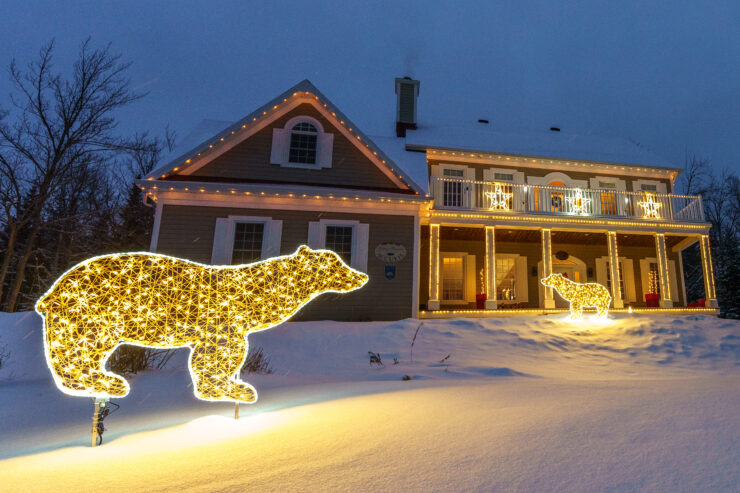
(215, 371)
(576, 311)
(78, 361)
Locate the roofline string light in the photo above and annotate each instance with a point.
(309, 95)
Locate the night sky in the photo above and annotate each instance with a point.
(664, 74)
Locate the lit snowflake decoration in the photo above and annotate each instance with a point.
(498, 199)
(650, 206)
(578, 203)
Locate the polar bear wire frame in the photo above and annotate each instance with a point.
(158, 301)
(580, 295)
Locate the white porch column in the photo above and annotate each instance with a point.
(433, 303)
(547, 266)
(665, 284)
(611, 239)
(490, 272)
(710, 295)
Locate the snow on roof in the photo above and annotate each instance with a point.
(195, 146)
(413, 163)
(480, 137)
(203, 131)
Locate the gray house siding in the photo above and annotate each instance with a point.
(187, 232)
(251, 160)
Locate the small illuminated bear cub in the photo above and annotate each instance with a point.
(164, 302)
(580, 295)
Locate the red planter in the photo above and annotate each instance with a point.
(652, 300)
(480, 301)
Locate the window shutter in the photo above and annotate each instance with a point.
(601, 271)
(280, 146)
(271, 248)
(314, 235)
(220, 253)
(326, 146)
(470, 278)
(522, 281)
(361, 244)
(629, 280)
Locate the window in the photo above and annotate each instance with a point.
(649, 187)
(452, 279)
(339, 240)
(503, 176)
(452, 190)
(303, 138)
(247, 242)
(607, 184)
(302, 143)
(505, 278)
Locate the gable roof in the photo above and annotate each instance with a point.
(196, 148)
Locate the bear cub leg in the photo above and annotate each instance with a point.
(83, 370)
(215, 370)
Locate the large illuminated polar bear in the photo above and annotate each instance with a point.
(591, 295)
(158, 301)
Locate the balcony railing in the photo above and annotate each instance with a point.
(501, 197)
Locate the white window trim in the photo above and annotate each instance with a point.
(660, 187)
(360, 239)
(460, 255)
(489, 174)
(556, 176)
(223, 242)
(280, 153)
(627, 270)
(619, 184)
(522, 279)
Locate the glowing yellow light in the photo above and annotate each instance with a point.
(580, 295)
(650, 206)
(153, 300)
(579, 203)
(498, 199)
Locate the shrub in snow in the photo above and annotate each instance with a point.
(375, 359)
(257, 362)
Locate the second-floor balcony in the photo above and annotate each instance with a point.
(501, 197)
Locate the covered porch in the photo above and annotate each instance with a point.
(489, 269)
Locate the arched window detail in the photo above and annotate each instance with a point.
(302, 143)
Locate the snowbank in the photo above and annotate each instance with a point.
(532, 403)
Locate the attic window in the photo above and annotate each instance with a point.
(303, 144)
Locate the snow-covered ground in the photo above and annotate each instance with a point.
(529, 403)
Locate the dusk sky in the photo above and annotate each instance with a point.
(664, 74)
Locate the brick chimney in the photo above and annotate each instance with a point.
(407, 92)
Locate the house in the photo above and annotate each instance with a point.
(445, 220)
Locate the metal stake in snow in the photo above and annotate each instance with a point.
(97, 419)
(236, 410)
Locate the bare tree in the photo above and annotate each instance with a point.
(55, 130)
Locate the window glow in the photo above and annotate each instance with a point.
(153, 300)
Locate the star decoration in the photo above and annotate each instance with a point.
(498, 199)
(650, 206)
(579, 203)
